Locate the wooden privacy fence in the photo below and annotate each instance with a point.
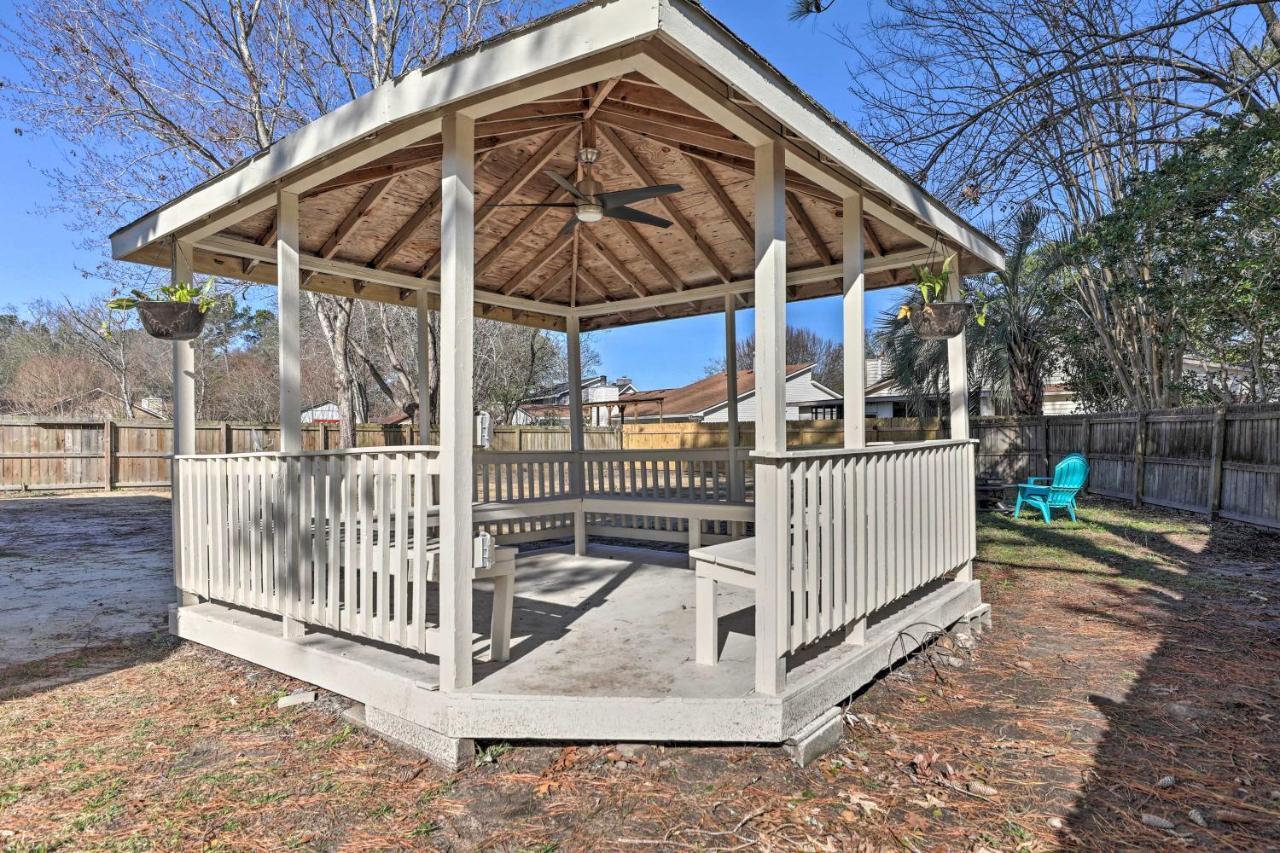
(38, 454)
(1223, 461)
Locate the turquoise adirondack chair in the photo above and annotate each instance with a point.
(1060, 493)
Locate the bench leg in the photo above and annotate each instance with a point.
(706, 647)
(579, 533)
(504, 594)
(695, 538)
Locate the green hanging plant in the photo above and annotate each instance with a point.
(202, 296)
(933, 289)
(171, 312)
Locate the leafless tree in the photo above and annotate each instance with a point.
(999, 102)
(804, 346)
(152, 99)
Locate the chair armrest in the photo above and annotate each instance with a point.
(1031, 489)
(1031, 481)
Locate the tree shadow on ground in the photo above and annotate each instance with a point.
(1188, 752)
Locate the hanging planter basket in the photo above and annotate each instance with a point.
(936, 321)
(171, 321)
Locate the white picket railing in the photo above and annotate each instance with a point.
(512, 476)
(869, 526)
(347, 540)
(705, 476)
(337, 539)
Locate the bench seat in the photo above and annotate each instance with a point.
(502, 573)
(693, 511)
(728, 562)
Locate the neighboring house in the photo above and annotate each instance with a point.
(321, 413)
(707, 400)
(551, 406)
(886, 399)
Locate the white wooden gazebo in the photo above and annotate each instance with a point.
(359, 570)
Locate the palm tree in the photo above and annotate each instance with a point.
(1008, 354)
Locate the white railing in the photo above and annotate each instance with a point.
(697, 475)
(340, 539)
(510, 476)
(869, 526)
(704, 476)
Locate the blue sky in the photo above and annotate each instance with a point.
(43, 258)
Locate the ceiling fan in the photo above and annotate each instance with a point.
(591, 204)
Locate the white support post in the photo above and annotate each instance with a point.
(576, 444)
(289, 317)
(184, 416)
(772, 609)
(958, 385)
(957, 370)
(424, 368)
(731, 378)
(855, 373)
(457, 328)
(855, 331)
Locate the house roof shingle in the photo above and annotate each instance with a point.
(697, 397)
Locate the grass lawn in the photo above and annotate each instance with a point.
(1129, 695)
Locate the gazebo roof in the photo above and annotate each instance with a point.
(672, 97)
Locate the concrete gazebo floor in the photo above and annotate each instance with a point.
(602, 647)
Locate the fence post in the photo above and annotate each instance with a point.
(226, 437)
(1085, 448)
(108, 454)
(1139, 457)
(1216, 452)
(1044, 445)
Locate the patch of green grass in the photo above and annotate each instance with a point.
(491, 753)
(425, 828)
(435, 792)
(269, 797)
(338, 738)
(1017, 832)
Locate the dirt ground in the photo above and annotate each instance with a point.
(1128, 697)
(80, 571)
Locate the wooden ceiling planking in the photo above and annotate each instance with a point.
(681, 223)
(646, 135)
(322, 215)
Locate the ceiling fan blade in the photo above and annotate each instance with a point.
(564, 184)
(621, 197)
(534, 204)
(568, 226)
(632, 215)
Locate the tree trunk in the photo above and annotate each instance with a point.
(334, 314)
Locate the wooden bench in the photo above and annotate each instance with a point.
(694, 512)
(729, 562)
(502, 572)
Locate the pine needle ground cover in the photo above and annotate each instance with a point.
(1128, 696)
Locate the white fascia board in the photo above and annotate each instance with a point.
(344, 269)
(796, 278)
(695, 33)
(248, 188)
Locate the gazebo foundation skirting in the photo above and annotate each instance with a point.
(619, 162)
(627, 691)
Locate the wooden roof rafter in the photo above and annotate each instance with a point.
(538, 262)
(512, 185)
(682, 223)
